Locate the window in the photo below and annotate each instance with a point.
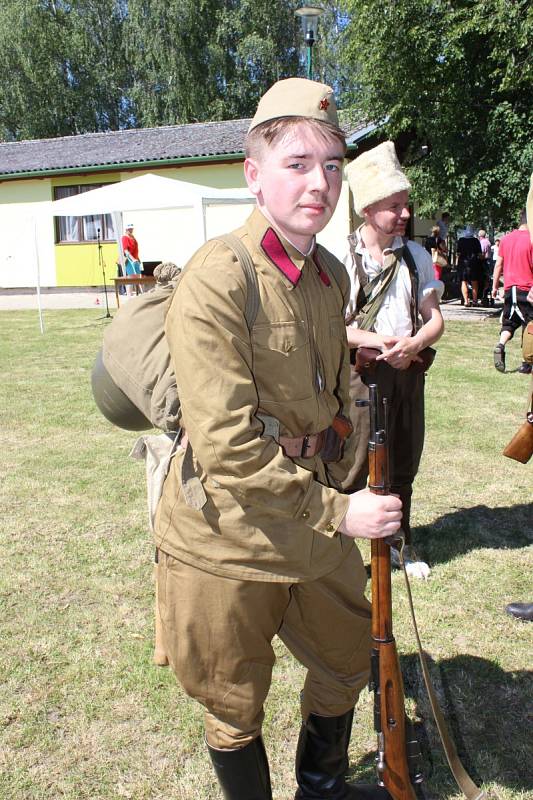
(82, 229)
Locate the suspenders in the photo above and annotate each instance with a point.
(368, 309)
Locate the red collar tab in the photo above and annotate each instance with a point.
(273, 248)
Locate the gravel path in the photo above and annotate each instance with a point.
(12, 300)
(452, 309)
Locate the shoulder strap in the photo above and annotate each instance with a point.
(192, 488)
(413, 272)
(252, 285)
(366, 316)
(462, 778)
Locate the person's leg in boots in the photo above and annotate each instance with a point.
(499, 350)
(218, 634)
(243, 773)
(327, 628)
(510, 322)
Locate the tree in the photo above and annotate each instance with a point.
(62, 66)
(457, 77)
(166, 44)
(254, 46)
(88, 65)
(206, 59)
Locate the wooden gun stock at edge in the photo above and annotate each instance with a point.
(520, 448)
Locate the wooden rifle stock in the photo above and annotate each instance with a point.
(397, 749)
(520, 448)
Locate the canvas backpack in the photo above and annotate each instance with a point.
(133, 379)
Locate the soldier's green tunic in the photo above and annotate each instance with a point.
(267, 517)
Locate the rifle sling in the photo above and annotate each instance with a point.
(462, 778)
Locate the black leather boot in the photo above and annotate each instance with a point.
(243, 774)
(522, 611)
(322, 762)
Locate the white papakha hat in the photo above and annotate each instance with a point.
(296, 97)
(529, 208)
(375, 175)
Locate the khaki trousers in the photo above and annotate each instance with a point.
(219, 632)
(405, 392)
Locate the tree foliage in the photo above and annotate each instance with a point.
(206, 59)
(457, 77)
(62, 67)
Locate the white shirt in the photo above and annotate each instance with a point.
(394, 315)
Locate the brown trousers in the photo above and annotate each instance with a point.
(219, 632)
(405, 392)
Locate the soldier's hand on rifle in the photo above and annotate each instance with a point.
(372, 516)
(401, 354)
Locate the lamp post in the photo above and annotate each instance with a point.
(309, 16)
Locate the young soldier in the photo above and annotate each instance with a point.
(265, 544)
(394, 307)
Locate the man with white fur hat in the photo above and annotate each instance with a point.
(394, 309)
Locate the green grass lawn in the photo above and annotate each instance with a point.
(84, 714)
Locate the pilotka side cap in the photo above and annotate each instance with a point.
(296, 97)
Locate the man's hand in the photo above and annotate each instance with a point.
(372, 516)
(401, 354)
(387, 342)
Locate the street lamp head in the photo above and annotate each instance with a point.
(309, 16)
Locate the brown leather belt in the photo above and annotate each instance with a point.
(303, 446)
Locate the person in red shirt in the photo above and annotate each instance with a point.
(130, 248)
(515, 258)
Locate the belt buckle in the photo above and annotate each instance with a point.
(306, 444)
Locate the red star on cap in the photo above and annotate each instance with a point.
(324, 104)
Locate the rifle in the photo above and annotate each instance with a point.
(521, 445)
(398, 759)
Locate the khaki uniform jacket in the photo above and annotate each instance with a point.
(267, 517)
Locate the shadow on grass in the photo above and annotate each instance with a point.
(465, 529)
(488, 715)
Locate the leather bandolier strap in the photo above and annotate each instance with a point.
(462, 778)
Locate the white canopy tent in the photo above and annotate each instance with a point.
(144, 192)
(152, 193)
